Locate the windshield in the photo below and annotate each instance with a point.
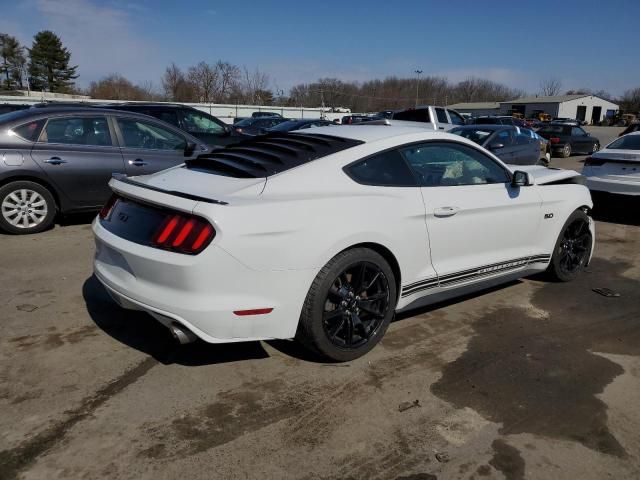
(628, 142)
(476, 135)
(487, 121)
(287, 126)
(246, 122)
(552, 129)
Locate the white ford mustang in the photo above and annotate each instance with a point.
(324, 235)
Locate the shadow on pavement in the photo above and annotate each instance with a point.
(141, 331)
(624, 209)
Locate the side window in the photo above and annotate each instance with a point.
(442, 115)
(197, 123)
(505, 137)
(169, 116)
(578, 132)
(385, 169)
(523, 137)
(450, 164)
(141, 134)
(77, 131)
(456, 119)
(29, 131)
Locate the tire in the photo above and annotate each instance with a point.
(566, 151)
(26, 207)
(596, 147)
(334, 322)
(572, 249)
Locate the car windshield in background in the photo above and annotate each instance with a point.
(287, 126)
(245, 122)
(552, 129)
(476, 135)
(487, 121)
(628, 142)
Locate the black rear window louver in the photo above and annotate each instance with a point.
(266, 155)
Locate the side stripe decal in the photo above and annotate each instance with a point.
(478, 272)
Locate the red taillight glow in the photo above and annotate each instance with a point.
(255, 311)
(167, 229)
(106, 209)
(184, 233)
(554, 140)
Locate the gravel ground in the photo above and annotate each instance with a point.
(533, 380)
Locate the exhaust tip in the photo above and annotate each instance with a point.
(182, 334)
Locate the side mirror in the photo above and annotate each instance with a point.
(496, 146)
(189, 149)
(520, 179)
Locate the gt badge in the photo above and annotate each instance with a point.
(548, 215)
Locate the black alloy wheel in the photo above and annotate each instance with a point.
(356, 304)
(573, 248)
(349, 305)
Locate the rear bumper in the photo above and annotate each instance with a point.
(200, 292)
(603, 184)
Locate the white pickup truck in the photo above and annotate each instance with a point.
(436, 118)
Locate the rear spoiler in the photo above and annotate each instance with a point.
(121, 177)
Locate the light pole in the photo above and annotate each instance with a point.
(418, 72)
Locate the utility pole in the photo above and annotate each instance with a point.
(418, 72)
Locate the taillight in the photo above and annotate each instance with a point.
(593, 162)
(184, 233)
(106, 209)
(554, 140)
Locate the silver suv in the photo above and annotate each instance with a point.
(438, 118)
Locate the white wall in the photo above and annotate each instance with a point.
(226, 113)
(570, 109)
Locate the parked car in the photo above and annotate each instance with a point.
(265, 114)
(385, 114)
(567, 139)
(61, 159)
(437, 118)
(633, 127)
(615, 168)
(256, 126)
(291, 125)
(207, 128)
(512, 145)
(324, 237)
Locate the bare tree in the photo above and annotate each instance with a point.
(630, 101)
(550, 86)
(254, 83)
(229, 77)
(204, 78)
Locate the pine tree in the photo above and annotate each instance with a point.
(49, 63)
(13, 61)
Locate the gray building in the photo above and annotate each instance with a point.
(476, 109)
(581, 107)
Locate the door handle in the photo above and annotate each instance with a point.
(137, 162)
(441, 128)
(446, 211)
(55, 161)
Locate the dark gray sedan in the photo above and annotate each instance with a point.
(61, 159)
(511, 144)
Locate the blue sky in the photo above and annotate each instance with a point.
(585, 43)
